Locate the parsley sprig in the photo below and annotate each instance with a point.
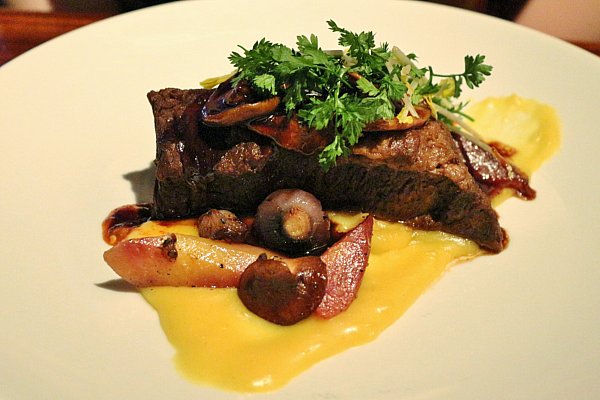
(344, 91)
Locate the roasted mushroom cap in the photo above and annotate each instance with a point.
(232, 104)
(290, 133)
(382, 125)
(293, 221)
(283, 292)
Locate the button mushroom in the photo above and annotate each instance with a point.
(283, 292)
(293, 221)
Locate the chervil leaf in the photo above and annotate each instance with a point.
(474, 74)
(319, 113)
(476, 70)
(367, 87)
(331, 152)
(393, 88)
(343, 91)
(265, 82)
(309, 48)
(359, 43)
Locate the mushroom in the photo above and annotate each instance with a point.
(290, 133)
(283, 292)
(394, 124)
(229, 105)
(293, 221)
(222, 225)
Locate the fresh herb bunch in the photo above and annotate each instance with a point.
(345, 90)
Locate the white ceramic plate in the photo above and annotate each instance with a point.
(74, 119)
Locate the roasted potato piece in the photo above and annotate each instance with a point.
(181, 260)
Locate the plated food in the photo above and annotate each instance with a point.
(245, 171)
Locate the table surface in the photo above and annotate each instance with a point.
(21, 31)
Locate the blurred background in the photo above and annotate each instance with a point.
(568, 19)
(27, 23)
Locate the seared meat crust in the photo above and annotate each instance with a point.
(418, 176)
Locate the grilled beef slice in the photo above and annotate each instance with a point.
(417, 176)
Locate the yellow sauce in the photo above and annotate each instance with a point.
(530, 127)
(219, 343)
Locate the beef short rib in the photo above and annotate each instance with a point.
(418, 176)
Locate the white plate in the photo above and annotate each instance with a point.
(74, 119)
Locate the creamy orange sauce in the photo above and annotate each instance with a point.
(527, 125)
(219, 343)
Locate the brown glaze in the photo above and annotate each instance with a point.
(121, 221)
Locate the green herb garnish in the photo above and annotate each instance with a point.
(345, 90)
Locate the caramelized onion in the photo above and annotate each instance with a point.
(293, 221)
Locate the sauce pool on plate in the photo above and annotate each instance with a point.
(221, 343)
(218, 342)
